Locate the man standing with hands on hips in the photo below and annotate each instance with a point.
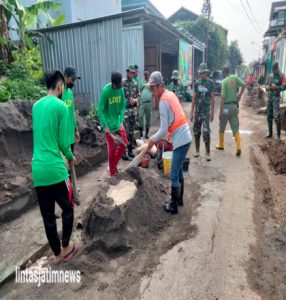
(231, 92)
(174, 122)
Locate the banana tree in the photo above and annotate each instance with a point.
(30, 17)
(5, 49)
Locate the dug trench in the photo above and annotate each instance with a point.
(124, 232)
(266, 269)
(16, 147)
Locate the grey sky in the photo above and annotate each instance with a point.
(230, 14)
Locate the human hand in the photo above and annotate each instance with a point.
(150, 144)
(72, 162)
(77, 136)
(192, 117)
(107, 129)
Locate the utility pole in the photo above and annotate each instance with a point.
(206, 13)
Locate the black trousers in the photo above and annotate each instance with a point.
(47, 197)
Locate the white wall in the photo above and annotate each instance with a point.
(89, 9)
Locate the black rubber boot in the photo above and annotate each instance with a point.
(125, 157)
(141, 132)
(146, 133)
(172, 206)
(181, 200)
(208, 151)
(197, 143)
(270, 130)
(130, 152)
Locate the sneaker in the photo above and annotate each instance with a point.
(208, 157)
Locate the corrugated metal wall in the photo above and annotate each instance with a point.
(95, 49)
(133, 52)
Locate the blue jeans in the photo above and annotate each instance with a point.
(179, 156)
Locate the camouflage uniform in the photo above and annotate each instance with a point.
(273, 105)
(203, 90)
(131, 89)
(177, 89)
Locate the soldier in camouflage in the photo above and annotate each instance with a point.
(276, 84)
(176, 86)
(131, 89)
(203, 106)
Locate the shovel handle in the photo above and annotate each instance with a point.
(74, 186)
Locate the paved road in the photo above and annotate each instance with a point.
(213, 264)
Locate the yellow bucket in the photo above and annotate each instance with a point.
(167, 161)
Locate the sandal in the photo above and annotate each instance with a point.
(72, 253)
(58, 262)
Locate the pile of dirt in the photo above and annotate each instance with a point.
(276, 153)
(128, 223)
(255, 100)
(16, 152)
(112, 230)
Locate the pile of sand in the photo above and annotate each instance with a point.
(113, 226)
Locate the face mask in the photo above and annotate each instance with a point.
(70, 85)
(60, 96)
(175, 81)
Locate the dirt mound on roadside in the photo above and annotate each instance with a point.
(16, 139)
(112, 230)
(276, 153)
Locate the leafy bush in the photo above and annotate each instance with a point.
(27, 63)
(25, 77)
(24, 89)
(4, 94)
(3, 68)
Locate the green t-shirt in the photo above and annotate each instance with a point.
(230, 87)
(69, 101)
(50, 126)
(146, 93)
(111, 107)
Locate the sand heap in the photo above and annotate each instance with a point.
(126, 214)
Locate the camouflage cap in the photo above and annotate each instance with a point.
(131, 68)
(175, 74)
(203, 68)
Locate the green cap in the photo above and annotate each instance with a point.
(203, 68)
(131, 68)
(175, 74)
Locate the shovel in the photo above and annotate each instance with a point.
(136, 161)
(118, 139)
(75, 187)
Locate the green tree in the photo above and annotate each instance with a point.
(30, 17)
(218, 49)
(234, 56)
(5, 49)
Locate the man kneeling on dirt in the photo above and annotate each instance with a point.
(111, 109)
(49, 172)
